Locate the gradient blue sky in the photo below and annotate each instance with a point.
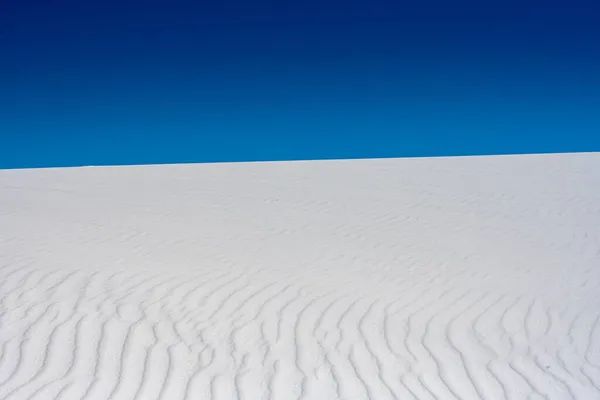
(126, 82)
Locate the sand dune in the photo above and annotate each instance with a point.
(441, 278)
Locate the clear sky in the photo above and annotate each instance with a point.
(130, 82)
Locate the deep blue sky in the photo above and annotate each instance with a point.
(130, 82)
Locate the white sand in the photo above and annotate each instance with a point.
(440, 278)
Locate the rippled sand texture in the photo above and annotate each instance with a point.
(440, 278)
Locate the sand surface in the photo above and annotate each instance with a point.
(439, 278)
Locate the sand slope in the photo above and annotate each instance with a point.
(442, 278)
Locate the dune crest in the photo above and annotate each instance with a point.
(434, 278)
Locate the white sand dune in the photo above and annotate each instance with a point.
(440, 278)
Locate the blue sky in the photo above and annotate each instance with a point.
(93, 83)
